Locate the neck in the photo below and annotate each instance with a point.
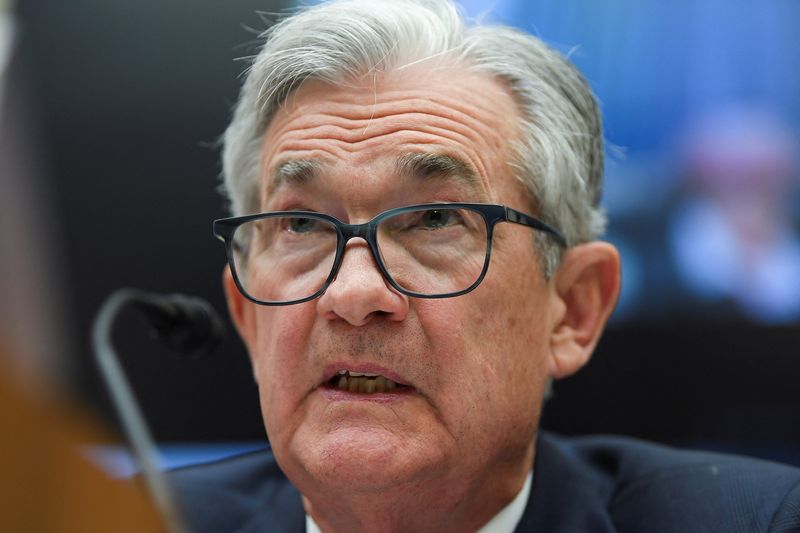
(449, 504)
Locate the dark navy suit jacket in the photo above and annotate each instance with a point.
(585, 484)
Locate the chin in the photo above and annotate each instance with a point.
(368, 459)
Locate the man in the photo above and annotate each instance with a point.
(402, 353)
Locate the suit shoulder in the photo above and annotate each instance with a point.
(629, 459)
(653, 487)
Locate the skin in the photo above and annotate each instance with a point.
(450, 454)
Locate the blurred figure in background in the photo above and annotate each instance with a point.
(30, 297)
(734, 236)
(46, 486)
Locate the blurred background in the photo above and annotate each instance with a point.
(110, 115)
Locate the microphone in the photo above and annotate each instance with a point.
(186, 325)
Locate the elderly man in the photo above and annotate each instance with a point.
(412, 262)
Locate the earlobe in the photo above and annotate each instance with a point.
(586, 285)
(239, 307)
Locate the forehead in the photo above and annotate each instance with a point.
(409, 123)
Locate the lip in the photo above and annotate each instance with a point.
(336, 395)
(368, 368)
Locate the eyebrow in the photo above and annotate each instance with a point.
(426, 164)
(297, 171)
(420, 165)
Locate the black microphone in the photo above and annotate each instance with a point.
(187, 325)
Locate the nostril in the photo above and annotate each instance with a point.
(375, 315)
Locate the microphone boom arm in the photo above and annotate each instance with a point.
(127, 408)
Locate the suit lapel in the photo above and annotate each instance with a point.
(567, 494)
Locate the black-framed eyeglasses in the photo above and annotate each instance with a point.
(425, 251)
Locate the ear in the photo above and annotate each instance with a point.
(239, 307)
(586, 286)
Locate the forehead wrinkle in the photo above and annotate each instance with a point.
(354, 117)
(334, 121)
(347, 136)
(353, 110)
(328, 126)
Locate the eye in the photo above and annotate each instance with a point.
(438, 218)
(442, 220)
(303, 225)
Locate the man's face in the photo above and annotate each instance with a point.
(472, 368)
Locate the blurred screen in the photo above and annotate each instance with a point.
(701, 109)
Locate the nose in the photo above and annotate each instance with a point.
(360, 293)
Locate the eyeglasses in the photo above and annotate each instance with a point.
(424, 251)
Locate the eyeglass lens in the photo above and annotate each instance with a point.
(426, 251)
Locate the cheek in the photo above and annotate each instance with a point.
(490, 350)
(511, 343)
(515, 374)
(278, 360)
(506, 341)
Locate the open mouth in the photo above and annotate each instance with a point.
(363, 382)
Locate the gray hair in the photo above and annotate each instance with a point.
(559, 157)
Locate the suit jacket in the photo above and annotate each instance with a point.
(584, 484)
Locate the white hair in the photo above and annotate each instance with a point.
(559, 156)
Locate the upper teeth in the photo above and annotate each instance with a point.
(357, 374)
(363, 382)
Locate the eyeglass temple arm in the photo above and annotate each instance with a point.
(518, 217)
